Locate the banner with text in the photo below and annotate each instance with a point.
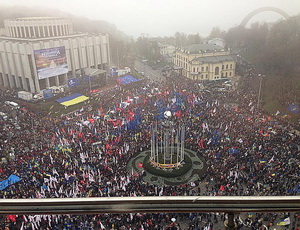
(51, 62)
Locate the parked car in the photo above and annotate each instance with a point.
(3, 116)
(12, 104)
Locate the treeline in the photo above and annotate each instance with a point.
(147, 47)
(273, 48)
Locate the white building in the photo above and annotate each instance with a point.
(40, 52)
(217, 41)
(166, 51)
(204, 62)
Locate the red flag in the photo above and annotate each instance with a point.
(200, 144)
(12, 218)
(140, 165)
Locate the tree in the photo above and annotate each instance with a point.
(216, 32)
(194, 39)
(180, 39)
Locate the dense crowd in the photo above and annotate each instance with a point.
(288, 90)
(85, 154)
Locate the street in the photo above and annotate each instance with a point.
(154, 75)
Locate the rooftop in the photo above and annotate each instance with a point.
(203, 47)
(214, 59)
(37, 18)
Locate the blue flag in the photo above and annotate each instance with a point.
(294, 108)
(12, 179)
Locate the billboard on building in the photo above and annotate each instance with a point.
(51, 62)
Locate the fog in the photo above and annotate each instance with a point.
(165, 17)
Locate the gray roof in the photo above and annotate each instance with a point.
(91, 71)
(202, 47)
(214, 59)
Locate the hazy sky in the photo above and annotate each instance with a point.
(165, 17)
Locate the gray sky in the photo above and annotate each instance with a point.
(165, 17)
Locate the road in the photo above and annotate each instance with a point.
(154, 75)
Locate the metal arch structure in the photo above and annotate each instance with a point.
(263, 9)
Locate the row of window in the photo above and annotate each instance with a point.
(39, 31)
(195, 69)
(223, 75)
(227, 66)
(181, 58)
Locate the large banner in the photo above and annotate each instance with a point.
(72, 99)
(51, 62)
(166, 166)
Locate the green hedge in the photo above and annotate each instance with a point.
(168, 173)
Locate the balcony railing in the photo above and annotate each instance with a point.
(175, 204)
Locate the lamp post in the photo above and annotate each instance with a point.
(259, 90)
(90, 86)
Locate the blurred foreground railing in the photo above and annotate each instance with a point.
(160, 204)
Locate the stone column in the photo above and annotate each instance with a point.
(47, 82)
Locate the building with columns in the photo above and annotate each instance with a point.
(204, 62)
(40, 52)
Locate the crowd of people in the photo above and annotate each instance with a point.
(288, 90)
(85, 154)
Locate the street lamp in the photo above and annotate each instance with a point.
(90, 83)
(259, 90)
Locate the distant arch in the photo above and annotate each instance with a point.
(263, 9)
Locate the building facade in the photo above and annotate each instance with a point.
(204, 62)
(217, 41)
(166, 51)
(40, 52)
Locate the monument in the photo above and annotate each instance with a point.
(167, 143)
(167, 161)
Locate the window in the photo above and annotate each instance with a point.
(206, 69)
(226, 66)
(46, 31)
(217, 70)
(1, 79)
(230, 74)
(222, 66)
(202, 68)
